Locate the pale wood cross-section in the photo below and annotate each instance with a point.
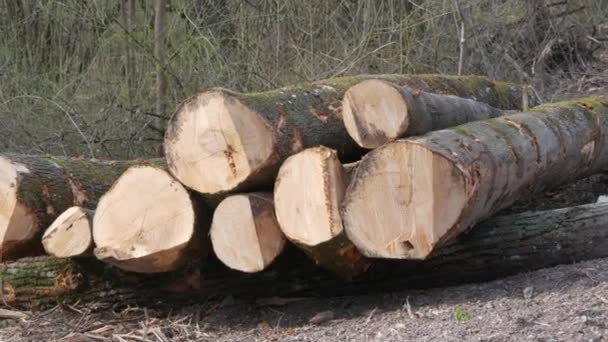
(308, 194)
(70, 235)
(147, 222)
(245, 234)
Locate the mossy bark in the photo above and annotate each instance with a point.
(53, 184)
(516, 156)
(30, 280)
(39, 282)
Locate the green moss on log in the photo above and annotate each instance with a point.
(35, 272)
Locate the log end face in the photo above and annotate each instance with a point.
(245, 234)
(18, 224)
(69, 235)
(374, 113)
(215, 142)
(403, 199)
(308, 192)
(145, 223)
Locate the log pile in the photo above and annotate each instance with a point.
(247, 176)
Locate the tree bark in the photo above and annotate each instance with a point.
(308, 193)
(34, 190)
(149, 223)
(376, 112)
(70, 235)
(432, 188)
(245, 234)
(219, 141)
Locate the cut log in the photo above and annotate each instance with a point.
(34, 190)
(245, 234)
(501, 246)
(376, 112)
(148, 222)
(308, 193)
(430, 189)
(70, 235)
(220, 141)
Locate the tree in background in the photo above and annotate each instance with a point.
(159, 54)
(100, 78)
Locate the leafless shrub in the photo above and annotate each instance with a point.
(78, 77)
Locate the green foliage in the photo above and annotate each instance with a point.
(461, 315)
(65, 87)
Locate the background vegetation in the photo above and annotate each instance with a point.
(79, 77)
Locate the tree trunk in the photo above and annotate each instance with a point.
(308, 193)
(70, 235)
(34, 190)
(159, 54)
(219, 141)
(376, 112)
(128, 15)
(245, 234)
(502, 246)
(434, 187)
(149, 223)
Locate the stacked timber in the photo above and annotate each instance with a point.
(34, 190)
(247, 175)
(220, 141)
